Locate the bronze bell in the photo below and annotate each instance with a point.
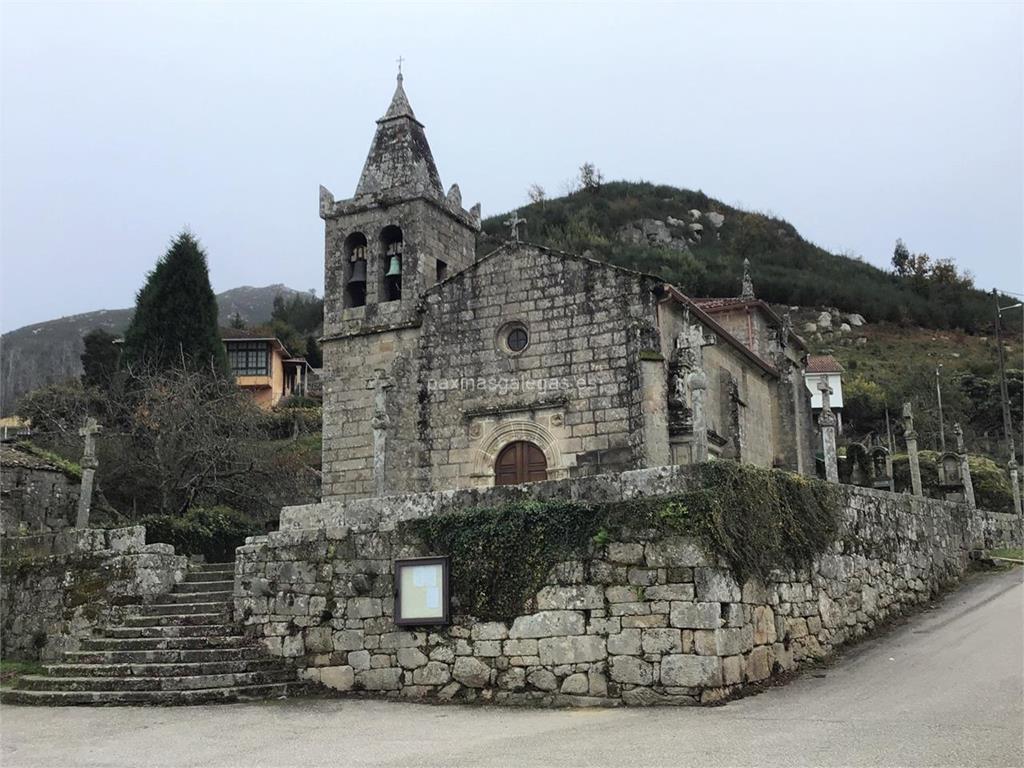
(358, 272)
(395, 267)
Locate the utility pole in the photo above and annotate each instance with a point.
(1003, 396)
(942, 429)
(1007, 419)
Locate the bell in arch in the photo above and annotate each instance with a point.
(358, 272)
(394, 267)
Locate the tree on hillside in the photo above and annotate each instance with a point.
(313, 354)
(302, 312)
(536, 194)
(591, 177)
(175, 322)
(100, 359)
(237, 322)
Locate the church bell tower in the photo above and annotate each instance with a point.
(394, 239)
(399, 234)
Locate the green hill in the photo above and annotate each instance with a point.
(668, 232)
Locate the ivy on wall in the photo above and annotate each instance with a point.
(755, 519)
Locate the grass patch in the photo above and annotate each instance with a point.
(69, 468)
(1010, 553)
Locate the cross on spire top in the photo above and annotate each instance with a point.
(400, 60)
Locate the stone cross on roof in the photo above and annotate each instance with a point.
(400, 60)
(514, 223)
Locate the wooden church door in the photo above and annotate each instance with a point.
(520, 462)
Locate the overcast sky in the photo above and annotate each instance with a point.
(123, 123)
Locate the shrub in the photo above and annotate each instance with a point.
(213, 532)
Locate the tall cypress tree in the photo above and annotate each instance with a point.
(175, 320)
(100, 359)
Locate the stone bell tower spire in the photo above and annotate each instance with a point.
(400, 165)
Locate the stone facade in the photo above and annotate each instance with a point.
(645, 620)
(423, 388)
(58, 587)
(35, 495)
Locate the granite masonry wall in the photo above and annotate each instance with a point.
(57, 587)
(35, 496)
(645, 620)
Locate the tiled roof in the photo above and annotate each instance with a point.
(823, 364)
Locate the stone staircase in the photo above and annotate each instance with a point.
(182, 649)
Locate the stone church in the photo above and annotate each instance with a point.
(443, 370)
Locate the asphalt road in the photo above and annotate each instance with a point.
(943, 689)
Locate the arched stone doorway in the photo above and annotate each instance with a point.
(520, 462)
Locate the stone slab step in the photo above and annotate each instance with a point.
(193, 630)
(175, 620)
(163, 657)
(174, 669)
(197, 576)
(167, 698)
(159, 683)
(198, 597)
(214, 570)
(201, 585)
(172, 609)
(163, 643)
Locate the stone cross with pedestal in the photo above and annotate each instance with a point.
(911, 437)
(89, 467)
(827, 422)
(965, 469)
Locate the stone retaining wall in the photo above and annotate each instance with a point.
(35, 496)
(58, 586)
(640, 621)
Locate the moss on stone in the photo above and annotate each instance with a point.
(755, 519)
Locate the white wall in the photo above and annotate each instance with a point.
(835, 381)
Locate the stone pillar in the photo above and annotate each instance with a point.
(1015, 482)
(89, 466)
(911, 437)
(965, 469)
(827, 423)
(698, 382)
(654, 408)
(380, 424)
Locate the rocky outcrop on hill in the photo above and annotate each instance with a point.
(676, 233)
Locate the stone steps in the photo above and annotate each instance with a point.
(180, 649)
(165, 656)
(163, 643)
(178, 609)
(223, 695)
(155, 683)
(176, 619)
(200, 597)
(186, 630)
(186, 669)
(208, 586)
